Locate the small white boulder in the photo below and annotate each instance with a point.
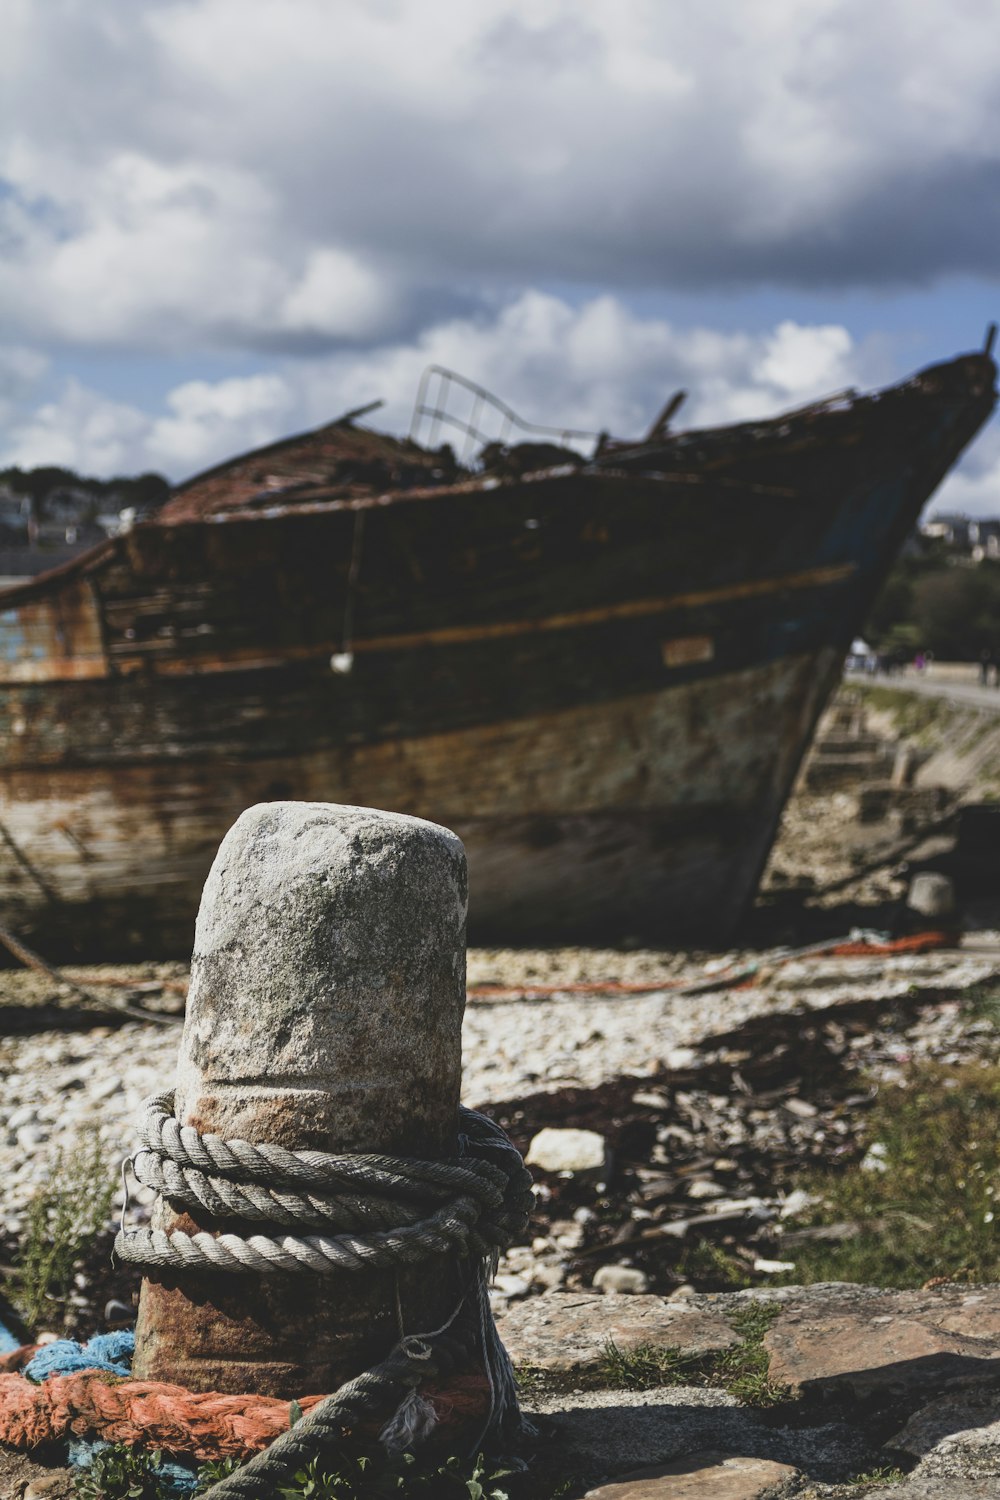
(554, 1150)
(621, 1279)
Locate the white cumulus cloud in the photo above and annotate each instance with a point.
(594, 367)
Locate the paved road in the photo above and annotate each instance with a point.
(961, 691)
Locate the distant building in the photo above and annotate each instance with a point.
(984, 538)
(952, 530)
(49, 516)
(15, 517)
(976, 538)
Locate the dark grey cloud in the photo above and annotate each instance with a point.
(299, 177)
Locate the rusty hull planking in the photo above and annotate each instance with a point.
(55, 637)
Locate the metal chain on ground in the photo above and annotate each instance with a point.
(393, 1211)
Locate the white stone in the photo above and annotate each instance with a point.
(651, 1101)
(621, 1279)
(702, 1188)
(932, 895)
(511, 1286)
(105, 1088)
(555, 1150)
(797, 1201)
(549, 1274)
(680, 1057)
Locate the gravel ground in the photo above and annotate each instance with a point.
(514, 1047)
(60, 1083)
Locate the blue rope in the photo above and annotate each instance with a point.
(8, 1343)
(174, 1479)
(105, 1351)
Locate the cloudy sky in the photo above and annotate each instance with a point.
(224, 220)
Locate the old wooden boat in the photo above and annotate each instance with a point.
(601, 671)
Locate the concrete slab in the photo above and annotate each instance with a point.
(702, 1476)
(569, 1331)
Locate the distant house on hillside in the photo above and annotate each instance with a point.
(15, 518)
(984, 538)
(952, 530)
(65, 518)
(975, 538)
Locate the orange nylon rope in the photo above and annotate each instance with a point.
(153, 1414)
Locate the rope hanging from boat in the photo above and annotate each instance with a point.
(343, 660)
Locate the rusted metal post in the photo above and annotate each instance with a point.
(325, 1012)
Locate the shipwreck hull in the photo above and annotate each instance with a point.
(602, 678)
(585, 821)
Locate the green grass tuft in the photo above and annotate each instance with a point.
(742, 1369)
(913, 714)
(930, 1213)
(64, 1218)
(886, 1475)
(710, 1267)
(121, 1473)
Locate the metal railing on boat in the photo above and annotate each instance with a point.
(434, 408)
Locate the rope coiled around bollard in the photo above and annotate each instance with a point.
(390, 1212)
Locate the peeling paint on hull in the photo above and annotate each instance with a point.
(603, 681)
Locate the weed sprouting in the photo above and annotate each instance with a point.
(121, 1473)
(708, 1265)
(742, 1369)
(63, 1219)
(887, 1475)
(983, 1001)
(924, 1207)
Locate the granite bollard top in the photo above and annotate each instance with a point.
(325, 1013)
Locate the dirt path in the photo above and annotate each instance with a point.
(961, 691)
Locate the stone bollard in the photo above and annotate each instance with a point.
(325, 1013)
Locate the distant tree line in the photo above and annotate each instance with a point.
(144, 491)
(935, 602)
